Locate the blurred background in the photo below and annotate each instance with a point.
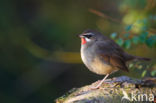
(39, 47)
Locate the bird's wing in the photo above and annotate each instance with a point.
(112, 54)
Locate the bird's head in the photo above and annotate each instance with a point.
(90, 36)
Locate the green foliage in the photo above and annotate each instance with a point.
(120, 41)
(128, 39)
(126, 35)
(135, 39)
(143, 37)
(127, 44)
(153, 73)
(36, 34)
(128, 28)
(114, 35)
(151, 41)
(131, 65)
(144, 73)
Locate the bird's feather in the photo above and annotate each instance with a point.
(112, 54)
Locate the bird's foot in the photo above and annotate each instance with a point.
(98, 84)
(94, 87)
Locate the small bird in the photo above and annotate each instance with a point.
(102, 55)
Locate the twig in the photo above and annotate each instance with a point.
(104, 15)
(101, 14)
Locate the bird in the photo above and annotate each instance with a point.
(102, 55)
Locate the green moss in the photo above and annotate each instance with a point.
(107, 93)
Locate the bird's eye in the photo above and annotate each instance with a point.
(88, 36)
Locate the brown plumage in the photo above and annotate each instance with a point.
(102, 55)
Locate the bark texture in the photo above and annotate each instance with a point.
(116, 90)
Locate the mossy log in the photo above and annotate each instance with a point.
(116, 90)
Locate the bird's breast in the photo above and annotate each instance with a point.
(95, 64)
(86, 56)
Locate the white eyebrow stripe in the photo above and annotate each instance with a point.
(88, 34)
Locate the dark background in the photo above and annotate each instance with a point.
(39, 47)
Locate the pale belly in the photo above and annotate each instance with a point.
(97, 66)
(101, 68)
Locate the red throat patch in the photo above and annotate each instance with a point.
(83, 41)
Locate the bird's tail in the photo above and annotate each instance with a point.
(142, 58)
(132, 57)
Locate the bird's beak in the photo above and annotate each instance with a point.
(80, 35)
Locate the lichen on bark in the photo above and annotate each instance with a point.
(115, 90)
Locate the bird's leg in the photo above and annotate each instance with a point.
(100, 82)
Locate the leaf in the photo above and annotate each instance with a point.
(143, 73)
(143, 37)
(120, 41)
(151, 41)
(144, 28)
(153, 73)
(126, 35)
(113, 35)
(128, 28)
(131, 65)
(140, 67)
(127, 44)
(135, 39)
(142, 21)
